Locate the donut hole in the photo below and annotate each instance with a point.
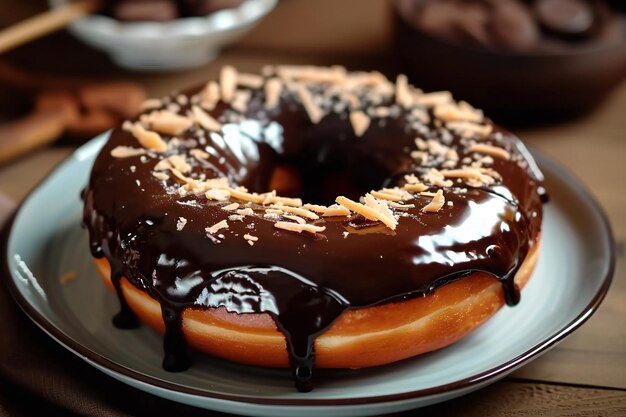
(321, 184)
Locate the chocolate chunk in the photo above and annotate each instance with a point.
(145, 10)
(513, 25)
(566, 17)
(472, 22)
(440, 18)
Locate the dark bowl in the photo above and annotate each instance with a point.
(519, 87)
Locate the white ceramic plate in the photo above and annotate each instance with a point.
(46, 241)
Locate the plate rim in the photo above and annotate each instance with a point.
(483, 377)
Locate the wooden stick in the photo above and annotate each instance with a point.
(44, 23)
(48, 121)
(31, 132)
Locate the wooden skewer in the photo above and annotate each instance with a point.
(45, 23)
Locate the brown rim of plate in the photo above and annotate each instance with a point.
(482, 377)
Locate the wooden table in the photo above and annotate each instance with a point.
(583, 376)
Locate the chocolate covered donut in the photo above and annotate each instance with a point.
(305, 213)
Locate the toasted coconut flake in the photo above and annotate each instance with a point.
(452, 155)
(416, 187)
(435, 98)
(148, 139)
(151, 104)
(336, 210)
(490, 150)
(299, 211)
(295, 218)
(370, 213)
(236, 218)
(385, 214)
(358, 79)
(251, 239)
(231, 207)
(485, 160)
(330, 211)
(458, 112)
(287, 201)
(221, 182)
(411, 179)
(490, 172)
(436, 147)
(395, 191)
(163, 164)
(316, 208)
(358, 208)
(437, 178)
(273, 212)
(273, 90)
(253, 81)
(469, 129)
(199, 154)
(383, 195)
(205, 120)
(160, 176)
(269, 197)
(360, 122)
(471, 173)
(421, 144)
(217, 227)
(312, 109)
(420, 157)
(210, 96)
(217, 194)
(246, 196)
(380, 112)
(299, 228)
(228, 83)
(436, 203)
(182, 99)
(403, 92)
(126, 152)
(180, 223)
(312, 74)
(168, 123)
(179, 163)
(182, 177)
(246, 211)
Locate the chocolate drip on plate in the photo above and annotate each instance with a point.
(175, 357)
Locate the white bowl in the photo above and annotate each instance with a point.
(160, 46)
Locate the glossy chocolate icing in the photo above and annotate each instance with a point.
(304, 281)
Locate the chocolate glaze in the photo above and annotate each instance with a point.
(304, 281)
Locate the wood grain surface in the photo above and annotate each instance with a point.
(585, 375)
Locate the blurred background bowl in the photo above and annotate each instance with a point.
(518, 87)
(174, 45)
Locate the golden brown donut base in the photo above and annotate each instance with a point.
(359, 338)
